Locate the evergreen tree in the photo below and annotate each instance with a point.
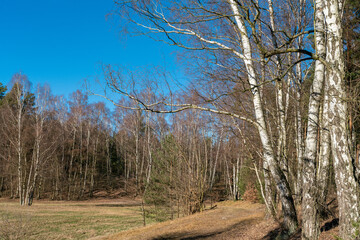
(161, 190)
(2, 92)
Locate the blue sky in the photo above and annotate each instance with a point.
(63, 42)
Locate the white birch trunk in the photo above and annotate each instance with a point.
(70, 182)
(299, 138)
(93, 167)
(269, 195)
(280, 102)
(86, 161)
(35, 162)
(324, 156)
(137, 149)
(20, 93)
(268, 191)
(346, 185)
(19, 151)
(212, 180)
(290, 219)
(149, 167)
(310, 223)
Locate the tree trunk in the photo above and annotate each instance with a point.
(280, 102)
(324, 158)
(288, 207)
(346, 185)
(93, 166)
(70, 182)
(83, 188)
(310, 213)
(268, 191)
(299, 148)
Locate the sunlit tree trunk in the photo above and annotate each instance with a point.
(137, 149)
(324, 156)
(268, 190)
(35, 162)
(87, 160)
(19, 94)
(213, 170)
(281, 145)
(346, 186)
(299, 136)
(93, 165)
(19, 151)
(70, 182)
(310, 223)
(149, 148)
(288, 207)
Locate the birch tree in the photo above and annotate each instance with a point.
(346, 185)
(236, 36)
(43, 147)
(19, 103)
(236, 24)
(311, 229)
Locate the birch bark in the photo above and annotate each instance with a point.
(290, 219)
(19, 146)
(300, 148)
(310, 223)
(268, 190)
(36, 159)
(346, 185)
(18, 116)
(281, 152)
(324, 156)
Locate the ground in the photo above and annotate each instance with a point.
(225, 221)
(67, 219)
(119, 219)
(229, 220)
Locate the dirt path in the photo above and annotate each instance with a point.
(230, 220)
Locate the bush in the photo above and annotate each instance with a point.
(250, 194)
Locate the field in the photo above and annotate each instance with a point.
(228, 220)
(67, 220)
(120, 219)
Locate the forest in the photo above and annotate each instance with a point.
(271, 113)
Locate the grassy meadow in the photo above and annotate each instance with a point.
(67, 220)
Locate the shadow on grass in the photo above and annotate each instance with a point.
(119, 205)
(187, 235)
(281, 234)
(278, 233)
(273, 234)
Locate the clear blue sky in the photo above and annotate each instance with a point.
(63, 42)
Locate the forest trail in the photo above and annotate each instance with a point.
(229, 220)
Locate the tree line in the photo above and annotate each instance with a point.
(70, 149)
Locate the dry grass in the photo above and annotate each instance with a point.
(67, 220)
(228, 221)
(122, 219)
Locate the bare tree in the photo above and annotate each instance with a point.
(44, 148)
(19, 102)
(188, 26)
